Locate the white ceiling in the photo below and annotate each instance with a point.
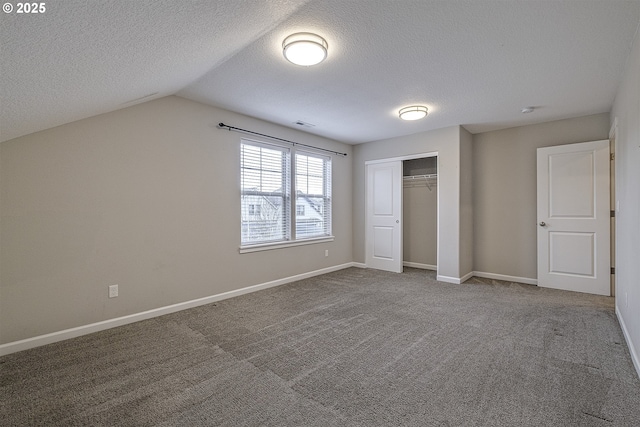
(472, 62)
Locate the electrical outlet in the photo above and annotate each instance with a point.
(326, 252)
(113, 291)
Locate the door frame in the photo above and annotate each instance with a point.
(613, 182)
(367, 234)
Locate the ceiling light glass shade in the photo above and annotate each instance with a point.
(305, 49)
(415, 112)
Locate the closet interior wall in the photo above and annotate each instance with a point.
(420, 212)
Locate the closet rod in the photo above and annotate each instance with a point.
(416, 177)
(230, 128)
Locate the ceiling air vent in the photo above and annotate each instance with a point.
(304, 124)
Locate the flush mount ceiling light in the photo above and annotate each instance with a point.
(305, 49)
(414, 112)
(527, 110)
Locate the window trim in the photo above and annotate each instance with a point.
(292, 240)
(280, 245)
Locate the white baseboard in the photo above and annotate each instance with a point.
(419, 265)
(506, 278)
(459, 280)
(359, 265)
(41, 340)
(466, 277)
(448, 279)
(456, 280)
(632, 350)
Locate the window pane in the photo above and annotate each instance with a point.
(265, 194)
(316, 185)
(250, 179)
(272, 182)
(313, 196)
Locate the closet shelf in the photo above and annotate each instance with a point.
(420, 180)
(419, 177)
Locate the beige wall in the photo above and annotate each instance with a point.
(420, 228)
(147, 198)
(446, 142)
(504, 190)
(626, 113)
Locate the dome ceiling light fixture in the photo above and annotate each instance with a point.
(305, 49)
(414, 112)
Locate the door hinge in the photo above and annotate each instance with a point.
(613, 156)
(613, 270)
(613, 214)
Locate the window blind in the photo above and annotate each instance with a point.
(265, 193)
(313, 196)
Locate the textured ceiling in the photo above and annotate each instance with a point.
(81, 58)
(474, 62)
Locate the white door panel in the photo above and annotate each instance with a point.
(572, 253)
(383, 242)
(383, 215)
(572, 185)
(383, 194)
(573, 217)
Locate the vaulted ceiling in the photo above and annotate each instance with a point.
(476, 63)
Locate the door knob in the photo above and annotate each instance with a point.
(542, 224)
(397, 221)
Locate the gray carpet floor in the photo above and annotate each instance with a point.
(350, 348)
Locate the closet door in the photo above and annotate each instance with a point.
(383, 216)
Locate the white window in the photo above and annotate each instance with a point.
(254, 210)
(313, 193)
(266, 201)
(265, 195)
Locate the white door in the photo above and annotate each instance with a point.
(573, 217)
(383, 216)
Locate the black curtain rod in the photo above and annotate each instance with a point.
(222, 125)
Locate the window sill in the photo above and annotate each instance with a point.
(280, 245)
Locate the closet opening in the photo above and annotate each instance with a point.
(420, 213)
